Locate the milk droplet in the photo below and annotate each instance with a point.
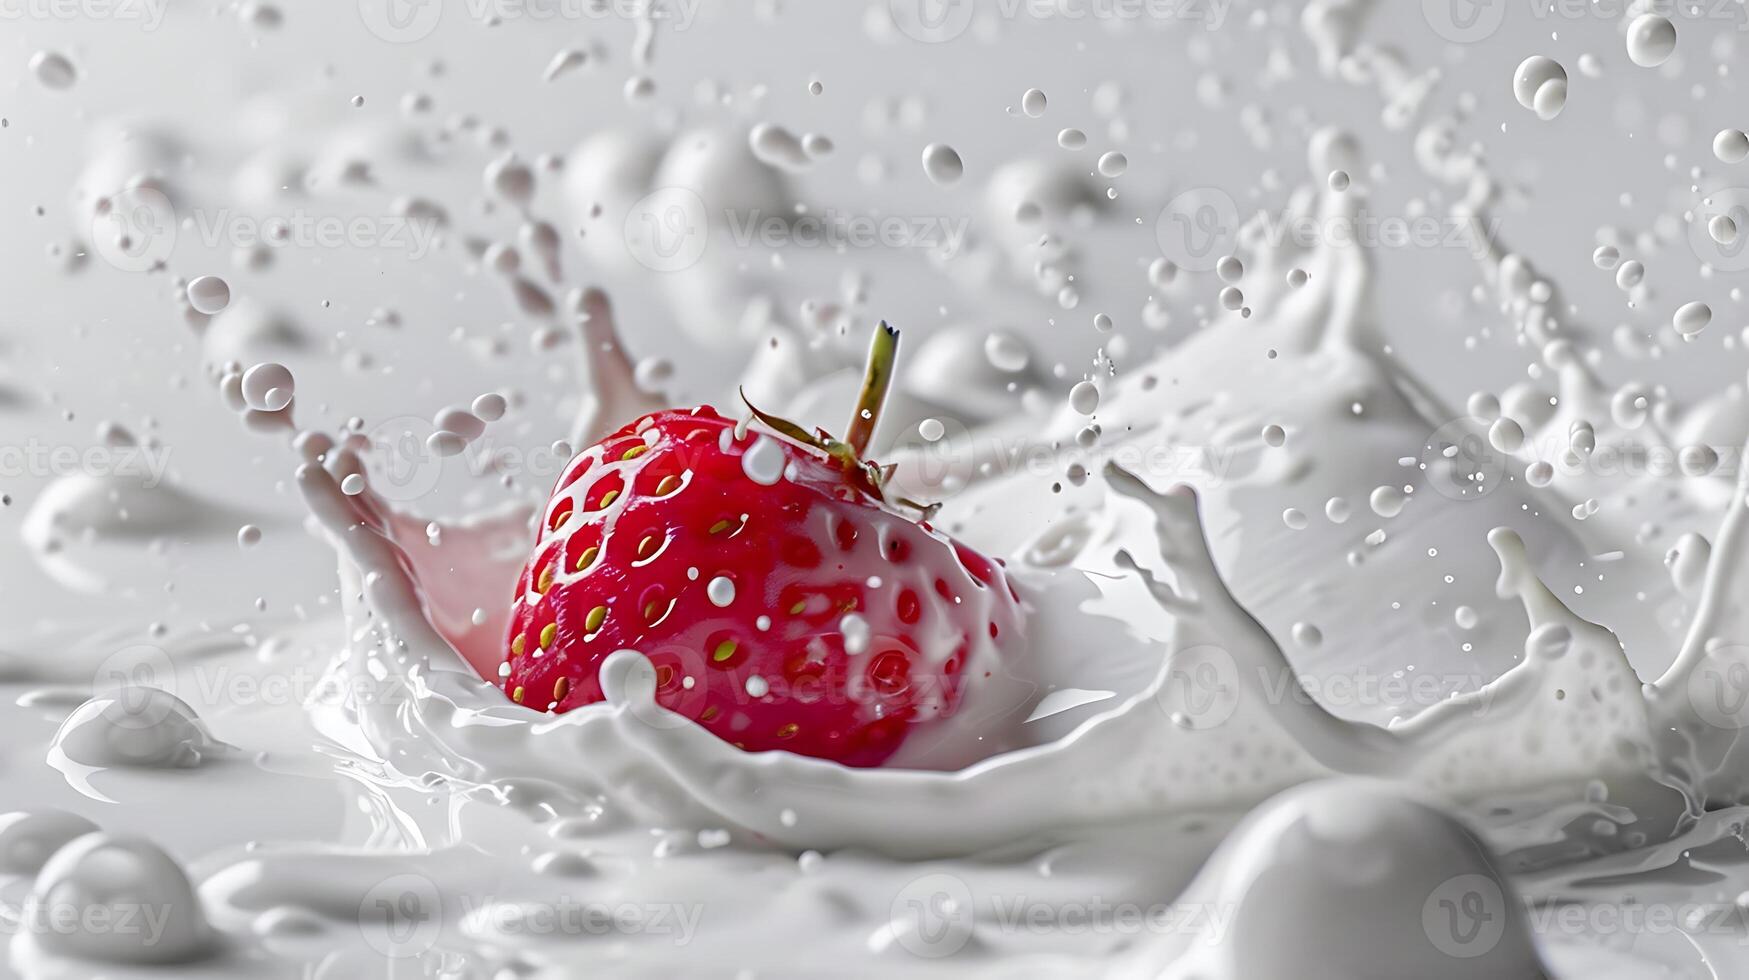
(53, 70)
(1630, 274)
(1113, 164)
(353, 485)
(1540, 84)
(1233, 298)
(721, 591)
(1084, 398)
(446, 444)
(1071, 139)
(931, 430)
(1731, 145)
(1723, 229)
(248, 536)
(1465, 617)
(1337, 510)
(1274, 435)
(1006, 352)
(209, 294)
(1606, 257)
(1033, 103)
(942, 164)
(1387, 501)
(489, 407)
(1506, 435)
(1102, 323)
(1307, 635)
(856, 634)
(1296, 278)
(1229, 268)
(1651, 40)
(1692, 318)
(1339, 180)
(763, 462)
(262, 381)
(1295, 519)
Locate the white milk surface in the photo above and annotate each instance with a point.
(1353, 389)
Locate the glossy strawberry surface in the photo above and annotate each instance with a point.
(782, 604)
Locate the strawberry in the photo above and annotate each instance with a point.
(784, 601)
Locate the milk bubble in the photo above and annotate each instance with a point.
(1651, 40)
(1692, 318)
(1731, 145)
(942, 164)
(209, 294)
(262, 381)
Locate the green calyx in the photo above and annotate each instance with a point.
(877, 380)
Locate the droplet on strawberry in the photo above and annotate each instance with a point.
(783, 602)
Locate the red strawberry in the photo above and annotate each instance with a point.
(783, 601)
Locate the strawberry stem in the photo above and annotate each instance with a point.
(883, 353)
